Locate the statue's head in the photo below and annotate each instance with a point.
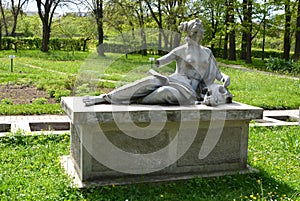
(217, 94)
(194, 30)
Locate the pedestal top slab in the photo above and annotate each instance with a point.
(78, 112)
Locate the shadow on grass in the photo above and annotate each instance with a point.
(255, 186)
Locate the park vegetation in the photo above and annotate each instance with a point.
(233, 28)
(109, 44)
(30, 170)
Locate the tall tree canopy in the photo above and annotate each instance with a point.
(15, 8)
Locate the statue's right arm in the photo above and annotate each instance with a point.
(165, 60)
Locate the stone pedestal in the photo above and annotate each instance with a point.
(117, 144)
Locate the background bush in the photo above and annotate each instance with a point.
(34, 43)
(281, 65)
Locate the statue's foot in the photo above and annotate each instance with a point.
(93, 100)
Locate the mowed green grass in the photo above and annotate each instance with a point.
(64, 74)
(30, 170)
(264, 90)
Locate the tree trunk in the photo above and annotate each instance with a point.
(13, 30)
(225, 45)
(264, 31)
(100, 48)
(287, 31)
(144, 42)
(98, 12)
(263, 42)
(177, 38)
(232, 46)
(160, 50)
(249, 32)
(244, 31)
(243, 46)
(297, 43)
(142, 31)
(0, 36)
(46, 38)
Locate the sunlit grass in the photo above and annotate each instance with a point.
(30, 170)
(62, 73)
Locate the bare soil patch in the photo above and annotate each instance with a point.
(22, 94)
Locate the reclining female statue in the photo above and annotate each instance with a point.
(192, 83)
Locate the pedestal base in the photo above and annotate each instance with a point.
(119, 144)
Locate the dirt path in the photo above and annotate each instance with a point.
(242, 68)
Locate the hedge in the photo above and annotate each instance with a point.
(33, 43)
(257, 53)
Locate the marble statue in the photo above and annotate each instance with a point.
(192, 83)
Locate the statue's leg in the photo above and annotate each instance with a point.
(127, 93)
(164, 95)
(133, 91)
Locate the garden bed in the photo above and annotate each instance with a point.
(16, 94)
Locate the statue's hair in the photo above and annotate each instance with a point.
(192, 26)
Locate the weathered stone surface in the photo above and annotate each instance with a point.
(196, 140)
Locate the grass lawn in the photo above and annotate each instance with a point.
(64, 74)
(30, 170)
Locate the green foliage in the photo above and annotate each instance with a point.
(30, 170)
(30, 109)
(58, 72)
(7, 101)
(281, 65)
(40, 101)
(34, 43)
(61, 93)
(83, 90)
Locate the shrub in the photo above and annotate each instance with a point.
(6, 101)
(33, 43)
(83, 90)
(60, 93)
(40, 101)
(281, 65)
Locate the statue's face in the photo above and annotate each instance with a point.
(195, 33)
(194, 30)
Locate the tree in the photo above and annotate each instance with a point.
(3, 17)
(246, 19)
(30, 25)
(157, 16)
(15, 10)
(46, 11)
(96, 7)
(213, 17)
(168, 15)
(297, 43)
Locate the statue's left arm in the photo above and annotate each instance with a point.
(219, 76)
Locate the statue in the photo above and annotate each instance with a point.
(192, 82)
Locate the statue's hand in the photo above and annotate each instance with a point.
(93, 100)
(226, 80)
(89, 100)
